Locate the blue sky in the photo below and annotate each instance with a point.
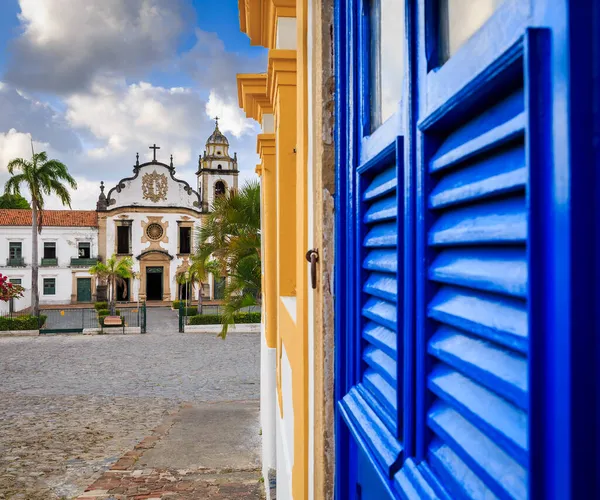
(92, 82)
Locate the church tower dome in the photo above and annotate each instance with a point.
(217, 170)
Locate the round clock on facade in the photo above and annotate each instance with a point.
(154, 231)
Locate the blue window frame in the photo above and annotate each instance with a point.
(463, 328)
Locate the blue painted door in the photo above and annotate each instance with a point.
(449, 372)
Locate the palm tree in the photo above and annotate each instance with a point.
(231, 235)
(115, 272)
(42, 177)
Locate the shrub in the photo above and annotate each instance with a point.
(103, 312)
(101, 305)
(250, 317)
(205, 319)
(22, 323)
(215, 319)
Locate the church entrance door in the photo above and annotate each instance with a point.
(154, 283)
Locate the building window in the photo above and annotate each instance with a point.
(219, 167)
(49, 250)
(386, 58)
(219, 188)
(15, 250)
(124, 239)
(49, 286)
(185, 240)
(85, 250)
(458, 20)
(218, 152)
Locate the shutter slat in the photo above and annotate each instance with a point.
(455, 474)
(501, 472)
(382, 235)
(501, 222)
(381, 389)
(382, 337)
(497, 318)
(502, 422)
(382, 184)
(491, 270)
(501, 370)
(361, 418)
(381, 363)
(382, 285)
(381, 260)
(382, 411)
(384, 209)
(499, 174)
(381, 312)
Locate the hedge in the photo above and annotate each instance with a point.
(106, 312)
(21, 323)
(215, 319)
(100, 305)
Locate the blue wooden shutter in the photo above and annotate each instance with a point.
(371, 407)
(476, 368)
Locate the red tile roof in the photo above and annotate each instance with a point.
(57, 218)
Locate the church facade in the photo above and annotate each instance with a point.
(150, 216)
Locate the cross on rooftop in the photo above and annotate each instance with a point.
(217, 121)
(155, 147)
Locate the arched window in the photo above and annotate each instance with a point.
(219, 188)
(218, 152)
(219, 167)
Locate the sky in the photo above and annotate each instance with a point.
(94, 82)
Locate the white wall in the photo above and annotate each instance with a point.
(66, 240)
(286, 33)
(285, 431)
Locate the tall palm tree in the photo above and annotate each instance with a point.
(42, 177)
(231, 235)
(115, 272)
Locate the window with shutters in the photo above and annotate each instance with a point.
(124, 238)
(49, 286)
(49, 250)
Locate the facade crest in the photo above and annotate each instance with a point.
(154, 187)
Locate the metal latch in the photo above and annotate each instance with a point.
(312, 256)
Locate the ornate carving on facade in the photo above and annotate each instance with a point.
(154, 231)
(154, 186)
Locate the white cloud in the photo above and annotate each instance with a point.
(66, 43)
(14, 144)
(231, 117)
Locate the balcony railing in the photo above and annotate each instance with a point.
(15, 262)
(49, 262)
(78, 262)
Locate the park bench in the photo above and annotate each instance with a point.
(113, 321)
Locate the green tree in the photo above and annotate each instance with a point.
(13, 201)
(231, 236)
(114, 272)
(42, 177)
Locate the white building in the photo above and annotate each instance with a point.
(150, 216)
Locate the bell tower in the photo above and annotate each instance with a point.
(217, 170)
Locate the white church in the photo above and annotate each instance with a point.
(150, 216)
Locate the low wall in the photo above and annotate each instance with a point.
(19, 333)
(113, 330)
(242, 328)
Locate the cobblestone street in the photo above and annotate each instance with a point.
(72, 406)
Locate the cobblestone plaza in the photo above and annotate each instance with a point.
(71, 406)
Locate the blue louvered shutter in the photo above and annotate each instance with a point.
(371, 407)
(476, 365)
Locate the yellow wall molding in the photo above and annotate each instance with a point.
(265, 145)
(252, 95)
(281, 73)
(258, 19)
